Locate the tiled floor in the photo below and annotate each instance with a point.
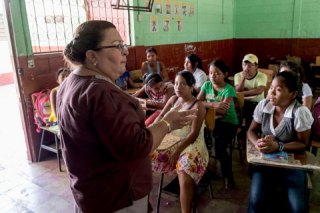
(40, 187)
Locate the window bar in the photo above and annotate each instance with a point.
(77, 6)
(36, 28)
(55, 27)
(47, 31)
(64, 26)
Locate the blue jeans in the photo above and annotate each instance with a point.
(266, 180)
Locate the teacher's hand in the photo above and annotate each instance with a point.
(178, 119)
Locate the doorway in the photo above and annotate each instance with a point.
(12, 140)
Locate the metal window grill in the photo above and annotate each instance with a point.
(52, 22)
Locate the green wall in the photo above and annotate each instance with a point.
(277, 19)
(212, 20)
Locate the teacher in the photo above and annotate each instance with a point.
(105, 143)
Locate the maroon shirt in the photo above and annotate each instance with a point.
(105, 144)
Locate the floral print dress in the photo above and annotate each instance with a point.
(193, 160)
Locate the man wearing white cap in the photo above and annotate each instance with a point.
(251, 83)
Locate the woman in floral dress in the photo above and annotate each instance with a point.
(189, 156)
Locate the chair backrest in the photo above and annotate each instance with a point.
(269, 74)
(239, 103)
(317, 60)
(210, 119)
(294, 59)
(240, 100)
(135, 75)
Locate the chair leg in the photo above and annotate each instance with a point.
(314, 150)
(240, 148)
(41, 142)
(159, 193)
(240, 155)
(211, 190)
(56, 140)
(195, 197)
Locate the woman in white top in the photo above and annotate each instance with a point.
(306, 90)
(279, 124)
(193, 64)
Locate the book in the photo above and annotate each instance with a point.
(276, 156)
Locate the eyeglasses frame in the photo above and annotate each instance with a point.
(122, 47)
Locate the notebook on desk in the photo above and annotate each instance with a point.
(276, 156)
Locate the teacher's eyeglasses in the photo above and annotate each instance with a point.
(122, 47)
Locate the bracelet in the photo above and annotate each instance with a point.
(168, 125)
(281, 146)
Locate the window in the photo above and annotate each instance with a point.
(53, 22)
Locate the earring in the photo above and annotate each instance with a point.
(95, 64)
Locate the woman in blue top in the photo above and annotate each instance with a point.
(152, 65)
(125, 82)
(218, 94)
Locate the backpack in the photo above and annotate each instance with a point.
(316, 123)
(41, 108)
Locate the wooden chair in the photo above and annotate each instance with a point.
(269, 74)
(236, 144)
(315, 144)
(210, 122)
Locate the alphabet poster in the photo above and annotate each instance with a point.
(184, 8)
(154, 23)
(176, 7)
(166, 23)
(159, 6)
(168, 7)
(179, 23)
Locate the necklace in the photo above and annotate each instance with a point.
(185, 104)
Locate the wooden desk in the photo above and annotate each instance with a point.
(53, 146)
(249, 97)
(53, 129)
(305, 160)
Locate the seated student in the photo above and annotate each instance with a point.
(189, 157)
(193, 64)
(285, 126)
(125, 82)
(157, 93)
(61, 75)
(251, 83)
(219, 94)
(306, 90)
(152, 65)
